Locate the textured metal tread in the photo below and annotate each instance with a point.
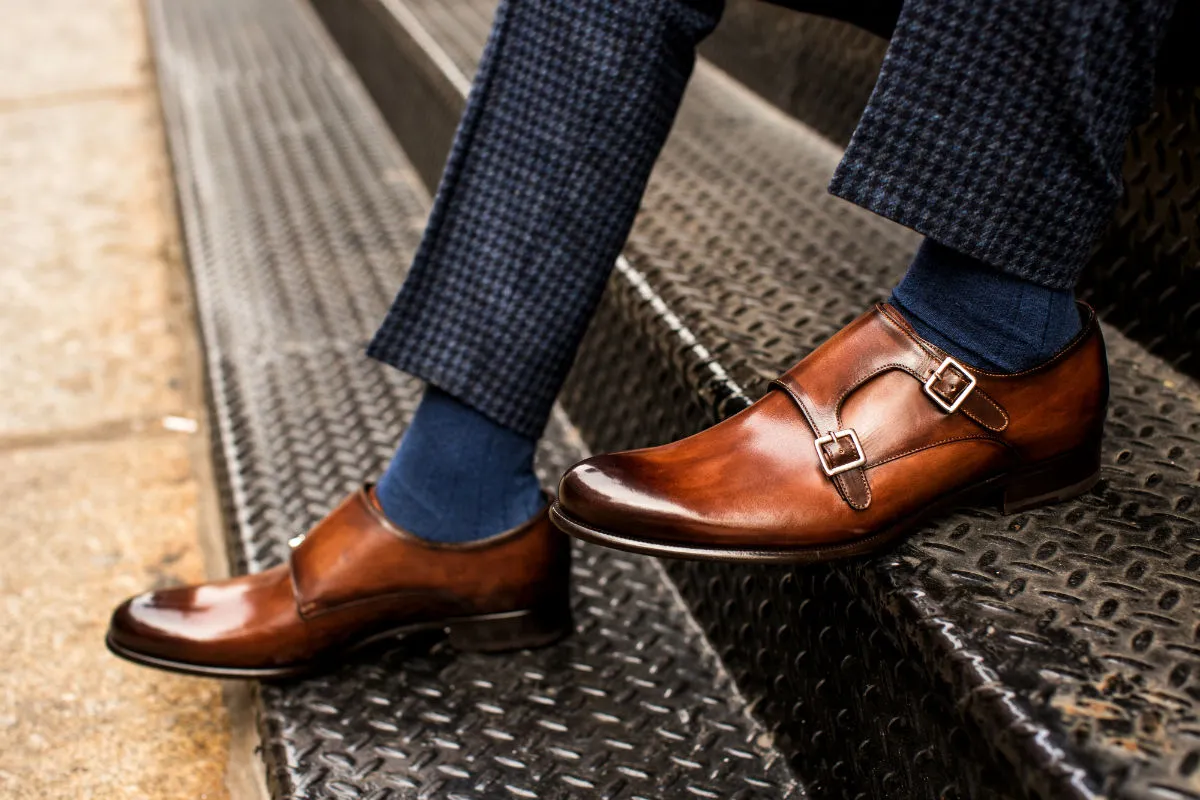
(1060, 639)
(300, 215)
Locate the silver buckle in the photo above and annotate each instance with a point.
(830, 439)
(950, 408)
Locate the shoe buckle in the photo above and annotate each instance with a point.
(956, 396)
(838, 438)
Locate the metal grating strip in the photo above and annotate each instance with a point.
(300, 214)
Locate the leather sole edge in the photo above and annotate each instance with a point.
(502, 632)
(645, 547)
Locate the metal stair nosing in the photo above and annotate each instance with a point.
(1033, 743)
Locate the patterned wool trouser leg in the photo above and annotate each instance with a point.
(996, 128)
(570, 108)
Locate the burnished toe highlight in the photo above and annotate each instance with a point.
(852, 448)
(352, 580)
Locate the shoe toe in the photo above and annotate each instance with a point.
(613, 492)
(584, 484)
(149, 624)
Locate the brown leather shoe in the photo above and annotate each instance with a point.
(352, 580)
(853, 447)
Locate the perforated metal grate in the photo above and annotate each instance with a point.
(1054, 650)
(300, 214)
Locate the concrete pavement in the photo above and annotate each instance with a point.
(104, 478)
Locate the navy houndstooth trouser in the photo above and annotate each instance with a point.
(996, 128)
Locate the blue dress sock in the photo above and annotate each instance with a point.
(982, 316)
(458, 476)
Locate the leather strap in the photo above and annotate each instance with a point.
(978, 406)
(876, 343)
(823, 419)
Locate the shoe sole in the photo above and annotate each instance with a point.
(1043, 484)
(487, 633)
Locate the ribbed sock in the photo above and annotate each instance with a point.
(983, 317)
(457, 475)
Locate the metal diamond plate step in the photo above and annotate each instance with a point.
(1051, 654)
(300, 215)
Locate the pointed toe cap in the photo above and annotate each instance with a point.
(133, 626)
(614, 492)
(588, 486)
(155, 623)
(211, 623)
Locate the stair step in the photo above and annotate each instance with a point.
(300, 215)
(1047, 654)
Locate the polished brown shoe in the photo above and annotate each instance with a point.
(355, 579)
(853, 447)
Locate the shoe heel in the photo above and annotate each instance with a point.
(1053, 481)
(514, 630)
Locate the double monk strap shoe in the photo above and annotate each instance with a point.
(353, 580)
(855, 446)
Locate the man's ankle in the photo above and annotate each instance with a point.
(459, 476)
(981, 315)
